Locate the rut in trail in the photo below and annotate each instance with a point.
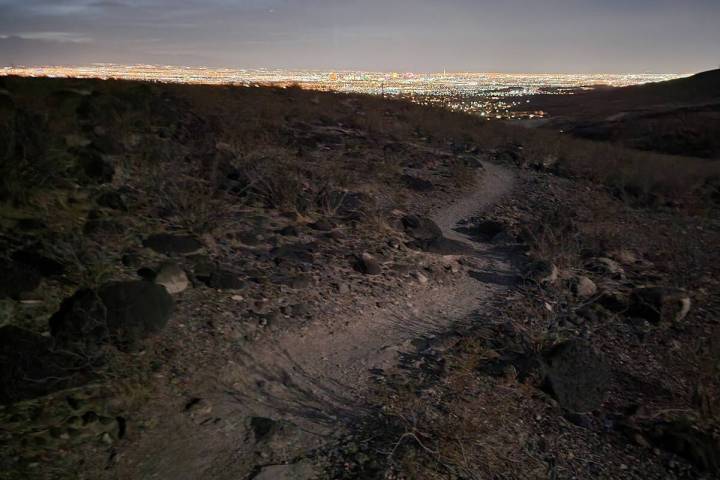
(318, 380)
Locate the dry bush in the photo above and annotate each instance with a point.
(706, 388)
(27, 162)
(88, 265)
(196, 202)
(555, 237)
(274, 178)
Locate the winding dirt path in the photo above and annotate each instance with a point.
(317, 380)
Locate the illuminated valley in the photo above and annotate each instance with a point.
(492, 95)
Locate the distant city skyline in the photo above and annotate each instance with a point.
(533, 36)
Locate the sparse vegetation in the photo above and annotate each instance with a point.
(257, 206)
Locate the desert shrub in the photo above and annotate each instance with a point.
(195, 202)
(462, 174)
(555, 237)
(706, 388)
(273, 178)
(88, 265)
(26, 162)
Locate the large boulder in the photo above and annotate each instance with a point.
(121, 313)
(576, 376)
(660, 305)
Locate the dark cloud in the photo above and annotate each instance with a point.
(421, 35)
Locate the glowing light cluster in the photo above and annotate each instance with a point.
(492, 95)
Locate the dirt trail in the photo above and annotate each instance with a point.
(315, 380)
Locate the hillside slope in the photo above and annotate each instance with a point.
(679, 117)
(263, 283)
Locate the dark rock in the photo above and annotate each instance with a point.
(225, 280)
(104, 226)
(31, 224)
(95, 166)
(131, 259)
(486, 229)
(606, 266)
(171, 244)
(576, 376)
(40, 263)
(614, 301)
(17, 278)
(108, 145)
(113, 200)
(121, 313)
(428, 237)
(262, 427)
(30, 368)
(322, 225)
(202, 267)
(659, 304)
(147, 273)
(489, 228)
(541, 271)
(249, 238)
(417, 184)
(294, 253)
(687, 440)
(580, 419)
(299, 310)
(290, 230)
(368, 265)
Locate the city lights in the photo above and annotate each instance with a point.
(491, 95)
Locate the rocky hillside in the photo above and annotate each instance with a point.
(224, 282)
(678, 117)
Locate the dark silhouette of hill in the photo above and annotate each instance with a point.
(679, 117)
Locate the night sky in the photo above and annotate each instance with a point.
(400, 35)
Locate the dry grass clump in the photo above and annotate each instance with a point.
(27, 162)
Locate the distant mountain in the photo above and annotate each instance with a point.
(680, 117)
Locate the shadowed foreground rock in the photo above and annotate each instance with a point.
(30, 367)
(121, 313)
(660, 305)
(576, 376)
